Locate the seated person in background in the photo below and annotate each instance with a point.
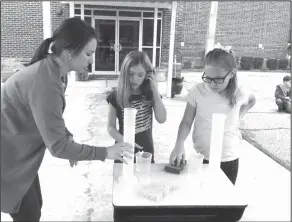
(283, 95)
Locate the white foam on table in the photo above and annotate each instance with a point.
(156, 191)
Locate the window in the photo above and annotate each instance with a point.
(148, 14)
(105, 13)
(151, 15)
(148, 26)
(87, 20)
(158, 32)
(77, 11)
(129, 14)
(149, 52)
(87, 12)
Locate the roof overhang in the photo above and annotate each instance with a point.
(141, 4)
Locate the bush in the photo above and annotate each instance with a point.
(258, 63)
(198, 63)
(187, 64)
(246, 62)
(237, 61)
(82, 76)
(272, 64)
(283, 64)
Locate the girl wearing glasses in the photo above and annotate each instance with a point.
(218, 93)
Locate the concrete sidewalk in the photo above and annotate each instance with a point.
(84, 193)
(266, 184)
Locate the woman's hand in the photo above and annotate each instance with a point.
(72, 162)
(178, 154)
(116, 152)
(120, 150)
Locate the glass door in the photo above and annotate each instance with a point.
(105, 55)
(128, 37)
(117, 37)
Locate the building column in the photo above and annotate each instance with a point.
(154, 37)
(47, 24)
(171, 48)
(71, 9)
(82, 11)
(72, 74)
(210, 40)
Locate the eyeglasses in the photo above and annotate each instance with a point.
(215, 80)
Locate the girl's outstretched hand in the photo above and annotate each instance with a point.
(178, 154)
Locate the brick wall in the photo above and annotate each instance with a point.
(195, 26)
(21, 28)
(166, 17)
(245, 25)
(191, 29)
(57, 19)
(260, 26)
(179, 34)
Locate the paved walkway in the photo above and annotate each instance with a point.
(84, 193)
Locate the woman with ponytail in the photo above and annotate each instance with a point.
(42, 51)
(32, 105)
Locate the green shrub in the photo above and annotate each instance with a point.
(82, 76)
(258, 63)
(283, 64)
(246, 62)
(272, 64)
(237, 61)
(198, 63)
(187, 64)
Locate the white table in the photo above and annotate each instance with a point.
(207, 195)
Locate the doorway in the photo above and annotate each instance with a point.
(117, 37)
(121, 31)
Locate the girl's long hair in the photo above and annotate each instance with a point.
(225, 60)
(124, 90)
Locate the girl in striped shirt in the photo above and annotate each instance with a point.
(137, 88)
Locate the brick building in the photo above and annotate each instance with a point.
(124, 26)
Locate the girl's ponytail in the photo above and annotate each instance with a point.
(42, 51)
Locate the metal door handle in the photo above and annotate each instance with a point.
(120, 47)
(113, 47)
(116, 48)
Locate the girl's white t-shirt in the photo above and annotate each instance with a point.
(207, 103)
